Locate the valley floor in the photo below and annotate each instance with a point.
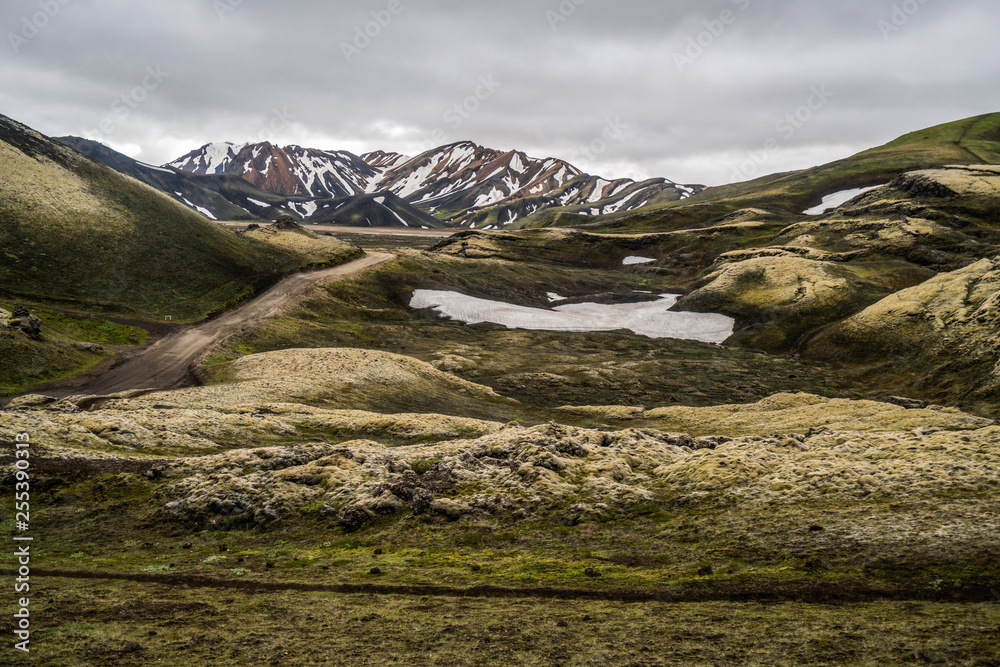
(358, 483)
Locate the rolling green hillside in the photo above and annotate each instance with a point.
(73, 230)
(970, 141)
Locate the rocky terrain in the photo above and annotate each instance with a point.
(374, 461)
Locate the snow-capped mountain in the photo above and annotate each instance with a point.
(292, 171)
(463, 176)
(462, 184)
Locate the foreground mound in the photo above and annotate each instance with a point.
(348, 379)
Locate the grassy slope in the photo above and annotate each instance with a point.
(75, 233)
(970, 141)
(74, 230)
(25, 363)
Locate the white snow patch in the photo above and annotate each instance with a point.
(653, 319)
(837, 199)
(553, 297)
(204, 211)
(493, 197)
(306, 208)
(380, 200)
(405, 224)
(150, 166)
(598, 193)
(632, 261)
(258, 203)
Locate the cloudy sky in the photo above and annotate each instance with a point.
(686, 89)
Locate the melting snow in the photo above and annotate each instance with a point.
(380, 200)
(632, 261)
(149, 166)
(624, 186)
(650, 318)
(306, 208)
(553, 297)
(204, 211)
(405, 224)
(598, 193)
(493, 197)
(216, 157)
(259, 203)
(837, 199)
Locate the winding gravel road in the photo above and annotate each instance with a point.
(167, 363)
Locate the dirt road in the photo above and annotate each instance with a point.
(167, 363)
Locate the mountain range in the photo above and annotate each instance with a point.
(457, 185)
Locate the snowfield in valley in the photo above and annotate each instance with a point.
(649, 318)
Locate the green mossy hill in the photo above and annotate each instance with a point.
(789, 413)
(943, 333)
(970, 141)
(350, 379)
(74, 230)
(778, 299)
(314, 250)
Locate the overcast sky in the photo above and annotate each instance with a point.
(685, 89)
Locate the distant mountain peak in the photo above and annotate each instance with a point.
(455, 182)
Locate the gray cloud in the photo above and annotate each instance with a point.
(693, 113)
